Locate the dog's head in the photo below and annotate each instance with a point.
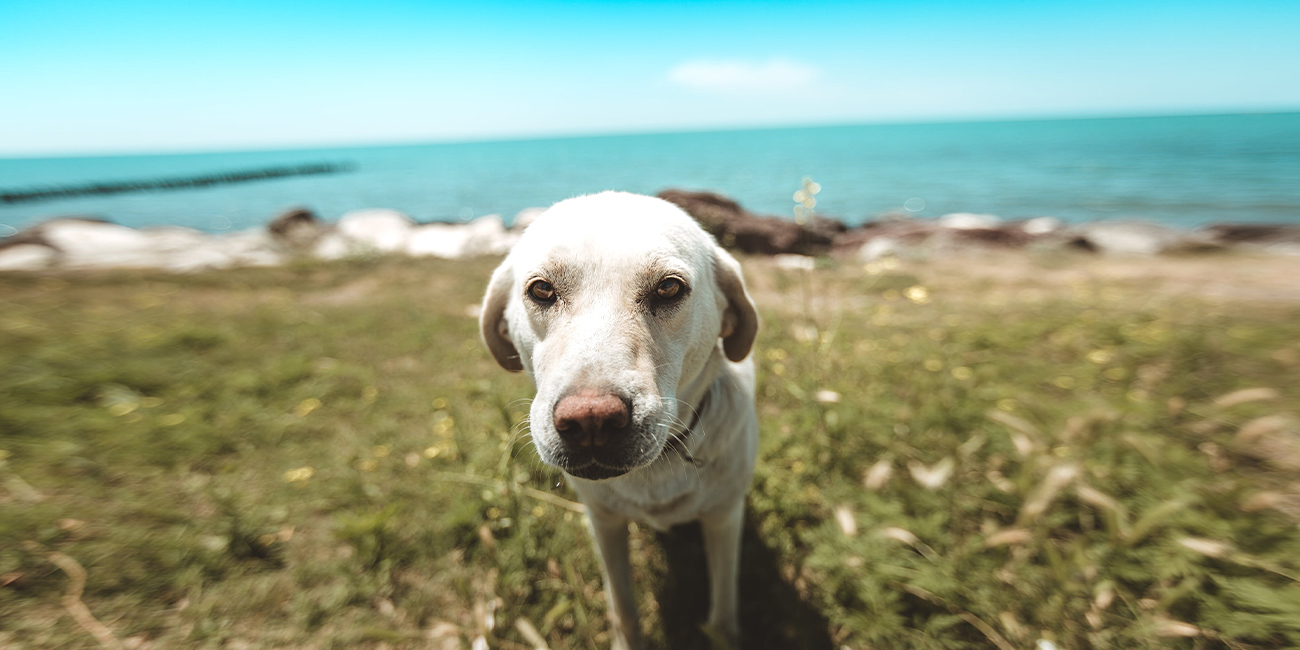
(614, 303)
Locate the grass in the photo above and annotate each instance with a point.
(323, 456)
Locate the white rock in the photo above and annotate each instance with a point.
(1284, 248)
(255, 247)
(333, 246)
(444, 240)
(199, 258)
(187, 253)
(175, 239)
(1128, 237)
(260, 258)
(525, 218)
(488, 236)
(27, 257)
(90, 244)
(184, 250)
(969, 221)
(251, 248)
(483, 236)
(1042, 225)
(795, 262)
(386, 231)
(76, 236)
(877, 248)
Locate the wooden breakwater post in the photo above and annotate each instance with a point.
(185, 182)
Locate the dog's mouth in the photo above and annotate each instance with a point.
(601, 462)
(595, 471)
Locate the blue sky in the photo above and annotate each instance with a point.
(142, 76)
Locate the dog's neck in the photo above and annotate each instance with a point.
(692, 394)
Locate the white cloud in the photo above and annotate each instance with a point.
(741, 77)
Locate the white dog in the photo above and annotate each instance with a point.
(635, 326)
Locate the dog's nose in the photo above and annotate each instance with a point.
(588, 418)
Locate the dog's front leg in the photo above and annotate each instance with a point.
(722, 533)
(610, 533)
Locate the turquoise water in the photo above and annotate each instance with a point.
(1182, 171)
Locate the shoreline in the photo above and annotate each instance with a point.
(71, 243)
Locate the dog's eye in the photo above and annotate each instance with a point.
(541, 291)
(669, 289)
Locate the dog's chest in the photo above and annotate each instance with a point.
(671, 492)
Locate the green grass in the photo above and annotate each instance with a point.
(324, 456)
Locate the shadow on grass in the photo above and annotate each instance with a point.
(772, 615)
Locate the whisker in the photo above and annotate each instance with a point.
(514, 453)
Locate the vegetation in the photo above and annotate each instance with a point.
(323, 456)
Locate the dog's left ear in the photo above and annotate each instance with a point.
(740, 319)
(492, 320)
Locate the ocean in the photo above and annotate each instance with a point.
(1181, 171)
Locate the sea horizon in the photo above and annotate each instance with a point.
(1181, 170)
(701, 130)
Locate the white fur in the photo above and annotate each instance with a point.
(604, 254)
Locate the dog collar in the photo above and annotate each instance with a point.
(678, 441)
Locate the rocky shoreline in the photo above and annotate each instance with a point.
(83, 243)
(739, 229)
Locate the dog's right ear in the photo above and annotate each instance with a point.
(492, 319)
(740, 319)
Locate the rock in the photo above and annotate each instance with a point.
(735, 227)
(1278, 238)
(27, 257)
(1253, 233)
(969, 221)
(792, 262)
(200, 258)
(525, 218)
(1042, 225)
(174, 239)
(1292, 249)
(259, 258)
(961, 230)
(76, 235)
(712, 211)
(878, 248)
(334, 246)
(488, 236)
(483, 236)
(438, 240)
(255, 247)
(1011, 237)
(385, 231)
(89, 244)
(184, 250)
(104, 245)
(297, 229)
(903, 233)
(98, 244)
(1125, 237)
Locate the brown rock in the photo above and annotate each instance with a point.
(1253, 233)
(906, 232)
(737, 228)
(297, 228)
(1001, 236)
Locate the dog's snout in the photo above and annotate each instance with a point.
(588, 418)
